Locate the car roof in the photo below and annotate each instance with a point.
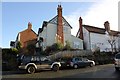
(118, 53)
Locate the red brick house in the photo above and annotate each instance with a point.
(25, 37)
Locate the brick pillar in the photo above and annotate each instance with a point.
(81, 29)
(60, 35)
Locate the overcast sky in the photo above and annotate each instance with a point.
(15, 16)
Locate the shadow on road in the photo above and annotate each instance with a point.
(22, 72)
(117, 74)
(70, 68)
(13, 72)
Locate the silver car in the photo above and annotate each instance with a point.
(117, 61)
(80, 62)
(85, 59)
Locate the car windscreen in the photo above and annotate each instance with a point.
(117, 56)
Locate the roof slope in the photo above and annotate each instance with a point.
(27, 35)
(55, 21)
(94, 29)
(100, 30)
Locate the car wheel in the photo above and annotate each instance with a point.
(116, 68)
(31, 69)
(91, 64)
(75, 66)
(55, 67)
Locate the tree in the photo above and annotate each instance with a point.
(111, 35)
(19, 45)
(15, 50)
(67, 46)
(56, 47)
(112, 42)
(53, 48)
(31, 49)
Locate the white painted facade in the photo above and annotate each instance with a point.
(119, 41)
(49, 35)
(76, 43)
(96, 40)
(86, 35)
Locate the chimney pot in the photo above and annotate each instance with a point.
(29, 25)
(107, 26)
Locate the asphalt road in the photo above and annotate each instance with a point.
(99, 71)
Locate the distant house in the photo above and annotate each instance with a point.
(25, 37)
(58, 30)
(94, 37)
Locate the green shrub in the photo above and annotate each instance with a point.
(9, 57)
(55, 47)
(15, 51)
(67, 46)
(103, 58)
(19, 45)
(30, 50)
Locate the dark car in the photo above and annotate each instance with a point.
(33, 63)
(117, 61)
(65, 62)
(79, 62)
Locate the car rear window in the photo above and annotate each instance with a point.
(117, 56)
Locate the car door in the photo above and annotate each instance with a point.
(80, 62)
(86, 62)
(45, 63)
(118, 59)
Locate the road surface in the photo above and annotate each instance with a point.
(99, 71)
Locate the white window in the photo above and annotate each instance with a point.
(76, 45)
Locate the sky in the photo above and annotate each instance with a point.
(16, 15)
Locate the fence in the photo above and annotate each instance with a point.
(76, 53)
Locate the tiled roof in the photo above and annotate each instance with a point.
(55, 21)
(22, 32)
(114, 33)
(100, 30)
(94, 29)
(44, 24)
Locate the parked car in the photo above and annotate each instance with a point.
(65, 62)
(79, 62)
(33, 63)
(85, 59)
(117, 61)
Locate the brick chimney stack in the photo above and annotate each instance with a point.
(107, 26)
(81, 29)
(29, 25)
(60, 35)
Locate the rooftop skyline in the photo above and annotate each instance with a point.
(15, 16)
